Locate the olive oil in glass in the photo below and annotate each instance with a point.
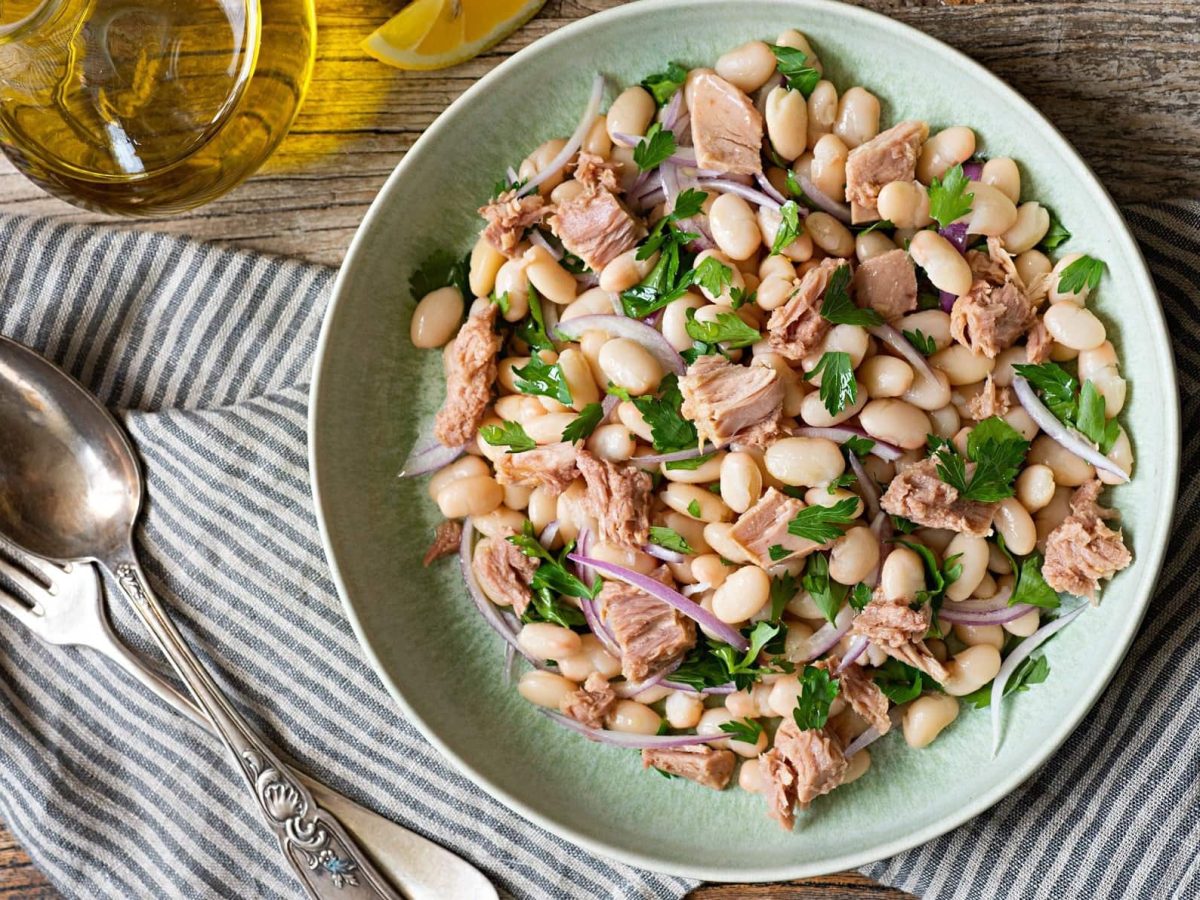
(147, 107)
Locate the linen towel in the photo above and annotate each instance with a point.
(205, 353)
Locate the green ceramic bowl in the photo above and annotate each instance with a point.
(372, 393)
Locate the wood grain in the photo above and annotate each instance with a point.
(1121, 78)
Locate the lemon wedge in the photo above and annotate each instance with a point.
(434, 34)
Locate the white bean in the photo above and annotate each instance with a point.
(902, 575)
(741, 481)
(961, 365)
(683, 709)
(486, 261)
(734, 227)
(629, 365)
(945, 150)
(747, 67)
(552, 281)
(1035, 487)
(828, 167)
(1074, 326)
(972, 553)
(1078, 297)
(787, 122)
(626, 270)
(612, 442)
(805, 462)
(945, 266)
(536, 161)
(896, 422)
(926, 718)
(830, 235)
(594, 302)
(974, 635)
(905, 204)
(854, 555)
(545, 688)
(436, 317)
(992, 213)
(708, 471)
(632, 717)
(684, 498)
(858, 117)
(822, 110)
(1015, 525)
(1002, 174)
(1122, 454)
(813, 411)
(872, 244)
(744, 593)
(971, 669)
(674, 320)
(472, 496)
(885, 376)
(630, 113)
(1033, 221)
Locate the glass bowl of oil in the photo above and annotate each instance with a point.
(149, 107)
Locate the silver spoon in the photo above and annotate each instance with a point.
(70, 491)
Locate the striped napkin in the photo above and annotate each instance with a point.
(206, 354)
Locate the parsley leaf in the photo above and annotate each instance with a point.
(1091, 420)
(860, 597)
(1031, 671)
(441, 269)
(552, 578)
(997, 450)
(828, 595)
(903, 525)
(838, 308)
(842, 481)
(670, 539)
(822, 524)
(1084, 272)
(942, 577)
(668, 428)
(669, 278)
(818, 689)
(688, 465)
(584, 424)
(859, 446)
(656, 146)
(728, 329)
(792, 65)
(693, 509)
(504, 185)
(501, 300)
(899, 681)
(1057, 386)
(923, 342)
(544, 379)
(1056, 234)
(948, 200)
(747, 730)
(663, 85)
(743, 669)
(617, 391)
(778, 552)
(712, 275)
(783, 589)
(532, 328)
(509, 434)
(1031, 586)
(838, 387)
(789, 227)
(879, 225)
(928, 301)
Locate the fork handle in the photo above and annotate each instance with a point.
(322, 855)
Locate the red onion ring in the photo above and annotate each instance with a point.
(430, 459)
(1066, 437)
(486, 608)
(726, 186)
(669, 556)
(823, 201)
(857, 648)
(640, 333)
(769, 189)
(631, 741)
(870, 490)
(574, 143)
(949, 613)
(827, 636)
(843, 433)
(901, 345)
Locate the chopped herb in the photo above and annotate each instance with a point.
(441, 269)
(928, 301)
(688, 465)
(747, 730)
(553, 578)
(739, 298)
(585, 423)
(793, 187)
(1084, 272)
(663, 85)
(838, 386)
(838, 308)
(543, 379)
(818, 690)
(508, 434)
(783, 589)
(878, 226)
(903, 525)
(1032, 670)
(948, 199)
(1080, 408)
(941, 576)
(827, 594)
(669, 430)
(860, 597)
(670, 539)
(548, 607)
(842, 481)
(859, 446)
(1091, 420)
(670, 277)
(778, 552)
(504, 186)
(501, 300)
(789, 227)
(654, 148)
(532, 328)
(713, 276)
(1031, 587)
(716, 663)
(822, 524)
(728, 329)
(997, 450)
(618, 391)
(693, 509)
(900, 682)
(745, 666)
(792, 65)
(1056, 234)
(923, 342)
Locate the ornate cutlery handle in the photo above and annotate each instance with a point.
(324, 857)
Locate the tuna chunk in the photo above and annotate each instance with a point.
(887, 284)
(551, 466)
(1037, 343)
(594, 172)
(864, 696)
(890, 156)
(1083, 550)
(727, 130)
(504, 573)
(470, 374)
(990, 319)
(725, 400)
(801, 766)
(991, 401)
(899, 631)
(697, 762)
(920, 495)
(996, 266)
(618, 495)
(797, 328)
(591, 703)
(764, 525)
(651, 634)
(593, 224)
(508, 217)
(446, 540)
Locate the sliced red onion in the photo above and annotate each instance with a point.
(870, 736)
(650, 200)
(729, 688)
(769, 189)
(870, 490)
(574, 143)
(631, 741)
(823, 201)
(587, 279)
(583, 546)
(947, 300)
(950, 613)
(511, 174)
(651, 183)
(684, 156)
(725, 186)
(1066, 437)
(664, 554)
(670, 178)
(486, 608)
(627, 139)
(549, 533)
(669, 596)
(633, 688)
(826, 637)
(991, 604)
(956, 234)
(510, 664)
(881, 527)
(670, 113)
(857, 648)
(430, 459)
(683, 129)
(640, 333)
(843, 433)
(1019, 654)
(607, 405)
(539, 239)
(599, 629)
(677, 456)
(973, 170)
(901, 345)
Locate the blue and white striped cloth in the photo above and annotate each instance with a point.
(205, 352)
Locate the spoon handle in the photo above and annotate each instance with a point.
(322, 855)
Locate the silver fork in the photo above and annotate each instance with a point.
(64, 605)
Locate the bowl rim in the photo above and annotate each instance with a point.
(1150, 563)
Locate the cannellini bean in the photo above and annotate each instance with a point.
(1078, 297)
(962, 366)
(945, 150)
(708, 569)
(787, 122)
(547, 641)
(1035, 487)
(552, 281)
(486, 261)
(710, 723)
(475, 495)
(885, 376)
(578, 376)
(516, 496)
(747, 67)
(612, 442)
(680, 497)
(926, 718)
(828, 168)
(1024, 626)
(631, 113)
(626, 270)
(797, 41)
(905, 204)
(814, 413)
(822, 496)
(991, 212)
(751, 778)
(499, 522)
(627, 170)
(805, 462)
(548, 429)
(1122, 454)
(545, 688)
(830, 235)
(631, 417)
(972, 555)
(776, 266)
(594, 302)
(773, 292)
(1002, 174)
(902, 575)
(632, 717)
(1022, 422)
(536, 161)
(1100, 366)
(945, 266)
(624, 556)
(744, 593)
(895, 422)
(1033, 221)
(566, 191)
(850, 339)
(519, 408)
(945, 421)
(854, 555)
(734, 227)
(1032, 265)
(1003, 374)
(971, 669)
(741, 481)
(872, 244)
(512, 279)
(436, 318)
(799, 250)
(1015, 524)
(987, 588)
(857, 766)
(684, 709)
(708, 471)
(784, 693)
(596, 141)
(543, 508)
(822, 110)
(1074, 326)
(795, 647)
(674, 320)
(717, 536)
(858, 117)
(933, 323)
(629, 365)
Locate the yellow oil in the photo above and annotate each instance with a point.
(145, 107)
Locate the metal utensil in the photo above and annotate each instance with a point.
(65, 606)
(70, 491)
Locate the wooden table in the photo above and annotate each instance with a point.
(1118, 77)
